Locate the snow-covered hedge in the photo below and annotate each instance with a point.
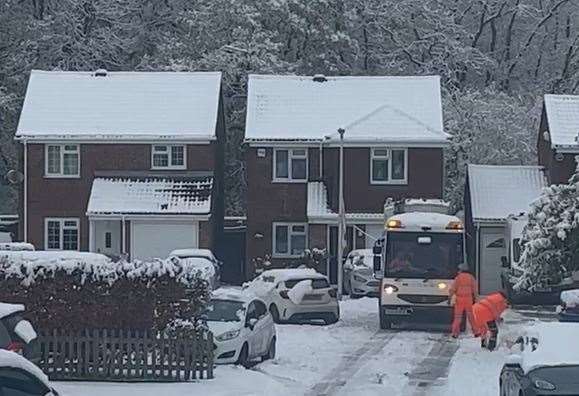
(89, 291)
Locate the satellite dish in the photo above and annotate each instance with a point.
(14, 177)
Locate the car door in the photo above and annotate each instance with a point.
(253, 347)
(262, 327)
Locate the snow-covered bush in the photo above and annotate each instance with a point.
(80, 293)
(550, 242)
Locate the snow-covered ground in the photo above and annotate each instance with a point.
(349, 358)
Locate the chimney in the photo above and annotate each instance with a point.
(101, 73)
(320, 78)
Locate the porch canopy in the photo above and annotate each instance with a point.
(187, 194)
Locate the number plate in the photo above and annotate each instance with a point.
(312, 297)
(398, 311)
(544, 289)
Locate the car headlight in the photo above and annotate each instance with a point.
(228, 335)
(543, 385)
(389, 289)
(359, 278)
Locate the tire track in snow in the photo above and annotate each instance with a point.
(350, 364)
(433, 369)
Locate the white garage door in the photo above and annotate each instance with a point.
(492, 248)
(156, 239)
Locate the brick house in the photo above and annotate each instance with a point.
(393, 143)
(558, 138)
(122, 163)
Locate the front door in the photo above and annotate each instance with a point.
(492, 249)
(333, 254)
(107, 237)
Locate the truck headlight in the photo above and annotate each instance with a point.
(228, 335)
(543, 385)
(442, 285)
(389, 289)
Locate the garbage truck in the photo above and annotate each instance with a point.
(416, 262)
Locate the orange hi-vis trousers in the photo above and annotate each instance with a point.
(461, 306)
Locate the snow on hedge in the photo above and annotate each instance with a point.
(30, 266)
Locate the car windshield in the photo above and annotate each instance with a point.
(316, 283)
(224, 311)
(15, 382)
(423, 255)
(557, 374)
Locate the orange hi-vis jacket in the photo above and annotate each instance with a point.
(464, 286)
(489, 309)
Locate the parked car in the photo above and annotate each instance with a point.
(19, 377)
(16, 333)
(208, 264)
(242, 327)
(17, 246)
(359, 278)
(545, 361)
(296, 295)
(569, 309)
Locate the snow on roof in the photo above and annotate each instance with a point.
(419, 220)
(557, 345)
(497, 191)
(9, 309)
(563, 119)
(120, 105)
(14, 360)
(159, 195)
(318, 209)
(371, 109)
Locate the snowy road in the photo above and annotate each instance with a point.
(349, 358)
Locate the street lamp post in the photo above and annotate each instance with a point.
(342, 218)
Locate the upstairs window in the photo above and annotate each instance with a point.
(290, 165)
(62, 160)
(168, 157)
(61, 234)
(388, 166)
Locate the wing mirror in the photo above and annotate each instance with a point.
(505, 262)
(377, 250)
(377, 263)
(251, 323)
(514, 360)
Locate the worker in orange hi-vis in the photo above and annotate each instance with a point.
(487, 312)
(464, 291)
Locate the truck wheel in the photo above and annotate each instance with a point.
(274, 313)
(385, 324)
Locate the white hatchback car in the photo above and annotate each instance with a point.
(205, 260)
(296, 295)
(20, 377)
(359, 278)
(243, 330)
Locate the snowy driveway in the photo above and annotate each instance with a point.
(349, 358)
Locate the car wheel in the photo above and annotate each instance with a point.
(270, 352)
(243, 359)
(274, 313)
(385, 324)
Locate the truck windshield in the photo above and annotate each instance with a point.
(423, 255)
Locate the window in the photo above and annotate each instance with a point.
(62, 160)
(516, 249)
(168, 157)
(388, 166)
(108, 240)
(290, 165)
(289, 240)
(61, 234)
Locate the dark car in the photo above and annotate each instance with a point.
(19, 377)
(16, 333)
(545, 362)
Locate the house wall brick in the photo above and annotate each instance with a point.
(68, 197)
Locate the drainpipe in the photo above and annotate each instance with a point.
(123, 236)
(321, 161)
(477, 254)
(25, 192)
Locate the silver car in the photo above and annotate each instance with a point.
(359, 278)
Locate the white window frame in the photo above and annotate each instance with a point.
(61, 220)
(290, 157)
(170, 165)
(63, 151)
(289, 239)
(390, 168)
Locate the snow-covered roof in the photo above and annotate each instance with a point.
(497, 191)
(14, 360)
(120, 106)
(563, 120)
(9, 309)
(158, 195)
(557, 346)
(370, 109)
(319, 211)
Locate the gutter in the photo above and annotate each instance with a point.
(25, 191)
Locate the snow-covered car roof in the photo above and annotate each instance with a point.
(557, 345)
(570, 297)
(232, 294)
(265, 282)
(17, 246)
(361, 252)
(201, 264)
(185, 253)
(14, 360)
(9, 309)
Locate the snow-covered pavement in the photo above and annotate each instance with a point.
(351, 357)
